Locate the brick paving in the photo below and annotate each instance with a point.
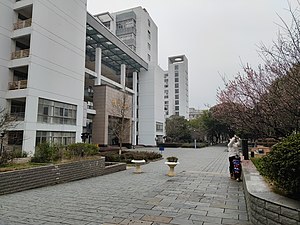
(200, 193)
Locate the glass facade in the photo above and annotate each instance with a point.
(55, 137)
(56, 112)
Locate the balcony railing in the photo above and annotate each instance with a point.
(20, 54)
(17, 116)
(14, 85)
(22, 24)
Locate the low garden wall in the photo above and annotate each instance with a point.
(264, 206)
(20, 180)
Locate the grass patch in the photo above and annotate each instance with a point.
(20, 166)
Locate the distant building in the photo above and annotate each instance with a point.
(176, 88)
(194, 113)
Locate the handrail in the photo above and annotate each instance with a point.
(20, 54)
(22, 24)
(14, 85)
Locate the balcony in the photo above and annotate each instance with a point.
(17, 116)
(20, 54)
(15, 85)
(22, 24)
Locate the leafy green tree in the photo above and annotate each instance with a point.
(177, 128)
(208, 127)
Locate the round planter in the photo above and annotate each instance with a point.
(138, 164)
(171, 165)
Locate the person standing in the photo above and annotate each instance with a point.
(233, 151)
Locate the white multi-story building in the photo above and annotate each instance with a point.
(176, 88)
(136, 28)
(61, 70)
(42, 54)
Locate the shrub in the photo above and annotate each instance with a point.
(127, 156)
(281, 165)
(192, 145)
(43, 153)
(172, 159)
(81, 149)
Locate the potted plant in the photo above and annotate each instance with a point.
(172, 161)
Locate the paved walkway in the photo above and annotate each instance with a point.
(201, 193)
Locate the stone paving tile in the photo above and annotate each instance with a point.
(159, 219)
(201, 193)
(209, 219)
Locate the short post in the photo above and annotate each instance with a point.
(195, 143)
(1, 147)
(245, 149)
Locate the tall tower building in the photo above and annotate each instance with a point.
(176, 88)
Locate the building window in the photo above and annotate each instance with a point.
(149, 57)
(177, 113)
(176, 85)
(176, 102)
(176, 74)
(176, 91)
(15, 137)
(176, 96)
(176, 79)
(159, 126)
(149, 34)
(56, 112)
(176, 107)
(149, 46)
(165, 75)
(107, 24)
(55, 137)
(176, 67)
(149, 23)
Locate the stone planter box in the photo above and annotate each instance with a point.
(20, 180)
(264, 206)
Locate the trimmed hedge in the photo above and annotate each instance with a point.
(281, 165)
(127, 156)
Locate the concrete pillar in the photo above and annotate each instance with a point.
(123, 75)
(134, 108)
(98, 65)
(29, 134)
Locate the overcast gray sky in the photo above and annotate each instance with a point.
(215, 35)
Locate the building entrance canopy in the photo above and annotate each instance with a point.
(114, 51)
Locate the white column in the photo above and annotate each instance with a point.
(98, 54)
(29, 134)
(134, 108)
(123, 75)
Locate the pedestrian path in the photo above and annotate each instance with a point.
(200, 193)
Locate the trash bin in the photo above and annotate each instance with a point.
(245, 149)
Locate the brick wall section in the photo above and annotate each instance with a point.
(114, 167)
(21, 180)
(265, 207)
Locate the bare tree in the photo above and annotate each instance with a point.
(120, 118)
(265, 101)
(6, 122)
